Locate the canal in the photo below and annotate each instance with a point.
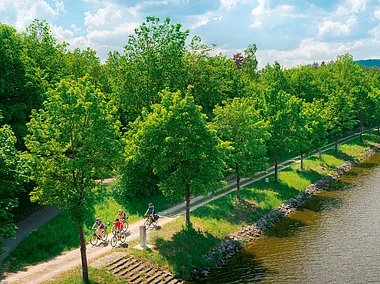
(333, 238)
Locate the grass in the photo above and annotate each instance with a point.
(179, 248)
(97, 276)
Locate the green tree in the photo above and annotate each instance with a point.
(73, 141)
(249, 64)
(176, 141)
(282, 112)
(19, 91)
(153, 61)
(12, 174)
(240, 124)
(303, 83)
(44, 53)
(340, 116)
(311, 131)
(215, 78)
(280, 109)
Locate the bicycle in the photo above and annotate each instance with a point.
(125, 226)
(149, 223)
(118, 236)
(94, 238)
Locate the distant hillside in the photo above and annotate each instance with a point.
(369, 62)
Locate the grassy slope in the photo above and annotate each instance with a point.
(177, 247)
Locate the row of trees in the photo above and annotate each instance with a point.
(167, 116)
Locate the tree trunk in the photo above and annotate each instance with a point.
(301, 161)
(83, 255)
(320, 154)
(275, 170)
(237, 183)
(187, 204)
(361, 132)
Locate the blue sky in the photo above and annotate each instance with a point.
(292, 32)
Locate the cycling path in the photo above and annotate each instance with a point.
(49, 269)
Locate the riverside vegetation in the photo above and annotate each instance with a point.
(182, 249)
(171, 120)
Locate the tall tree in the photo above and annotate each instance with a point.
(214, 77)
(73, 141)
(180, 146)
(311, 131)
(12, 174)
(340, 116)
(44, 53)
(153, 61)
(19, 91)
(240, 124)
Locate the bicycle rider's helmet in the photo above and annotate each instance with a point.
(120, 210)
(98, 219)
(150, 204)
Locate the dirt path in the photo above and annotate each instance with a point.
(52, 268)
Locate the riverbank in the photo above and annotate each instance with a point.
(235, 242)
(182, 249)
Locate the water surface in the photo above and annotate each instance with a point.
(334, 238)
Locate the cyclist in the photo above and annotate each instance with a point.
(151, 210)
(100, 229)
(121, 215)
(119, 225)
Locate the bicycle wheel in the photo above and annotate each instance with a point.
(105, 236)
(94, 239)
(114, 229)
(113, 241)
(147, 223)
(126, 226)
(122, 238)
(154, 223)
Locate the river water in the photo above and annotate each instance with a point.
(333, 238)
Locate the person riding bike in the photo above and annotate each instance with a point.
(121, 215)
(151, 210)
(100, 229)
(119, 225)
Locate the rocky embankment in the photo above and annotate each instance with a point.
(236, 241)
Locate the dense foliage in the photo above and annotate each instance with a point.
(178, 139)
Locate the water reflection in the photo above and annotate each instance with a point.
(333, 238)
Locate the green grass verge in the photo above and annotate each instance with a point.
(179, 248)
(97, 276)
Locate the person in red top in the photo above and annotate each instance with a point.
(121, 215)
(119, 225)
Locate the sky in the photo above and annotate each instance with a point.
(292, 32)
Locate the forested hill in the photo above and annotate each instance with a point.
(369, 62)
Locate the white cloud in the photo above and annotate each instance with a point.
(61, 34)
(22, 13)
(311, 50)
(229, 4)
(330, 29)
(377, 14)
(108, 36)
(264, 9)
(255, 24)
(352, 7)
(109, 15)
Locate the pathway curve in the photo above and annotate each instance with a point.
(51, 268)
